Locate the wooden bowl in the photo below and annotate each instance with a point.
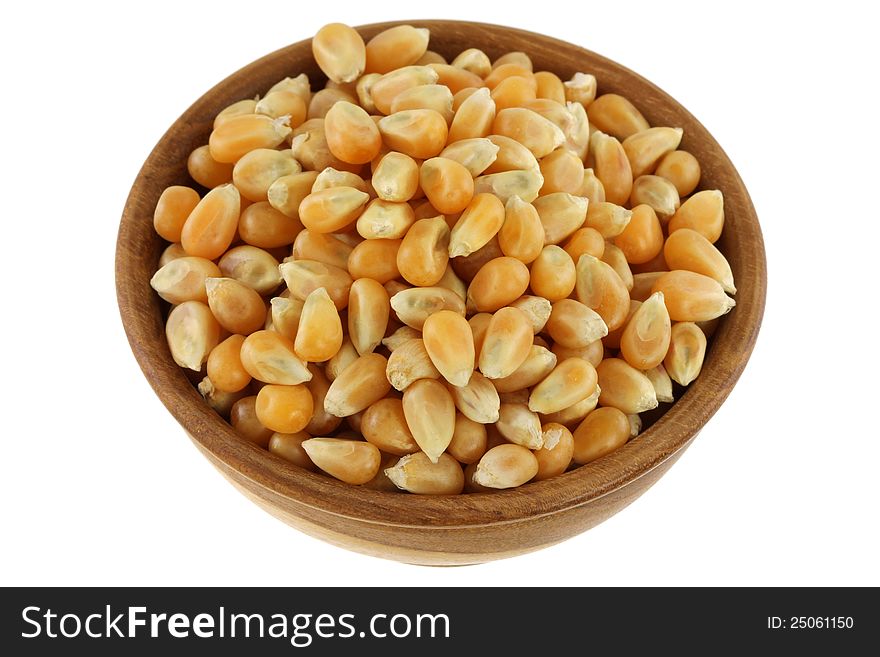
(422, 529)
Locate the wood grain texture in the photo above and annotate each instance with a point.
(467, 528)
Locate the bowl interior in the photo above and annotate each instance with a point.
(138, 250)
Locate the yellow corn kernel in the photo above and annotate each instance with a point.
(435, 97)
(210, 227)
(172, 209)
(246, 106)
(396, 177)
(561, 215)
(430, 416)
(553, 274)
(505, 466)
(287, 192)
(192, 333)
(375, 259)
(642, 284)
(424, 252)
(520, 425)
(555, 456)
(550, 86)
(416, 473)
(702, 212)
(285, 313)
(384, 425)
(289, 447)
(591, 188)
(507, 343)
(452, 282)
(262, 225)
(477, 400)
(692, 297)
(539, 362)
(364, 88)
(450, 344)
(321, 247)
(298, 85)
(581, 89)
(322, 422)
(340, 52)
(332, 209)
(537, 309)
(183, 279)
(682, 170)
(511, 156)
(385, 220)
(346, 355)
(447, 184)
(475, 154)
(419, 133)
(611, 167)
(599, 287)
(498, 283)
(687, 350)
(368, 312)
(241, 134)
(514, 57)
(283, 103)
(514, 91)
(473, 119)
(585, 240)
(577, 131)
(624, 387)
(207, 171)
(351, 134)
(574, 324)
(646, 148)
(305, 276)
(393, 83)
(244, 421)
(645, 339)
(574, 414)
(660, 379)
(469, 440)
(270, 357)
(473, 60)
(352, 461)
(396, 47)
(480, 221)
(614, 257)
(563, 171)
(408, 363)
(656, 192)
(616, 116)
(609, 219)
(529, 128)
(642, 238)
(358, 386)
(415, 305)
(507, 184)
(319, 335)
(612, 340)
(398, 337)
(237, 307)
(309, 146)
(687, 249)
(602, 431)
(572, 381)
(283, 408)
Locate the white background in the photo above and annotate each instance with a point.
(100, 486)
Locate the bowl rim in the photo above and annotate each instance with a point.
(736, 335)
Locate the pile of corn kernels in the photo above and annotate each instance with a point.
(439, 277)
